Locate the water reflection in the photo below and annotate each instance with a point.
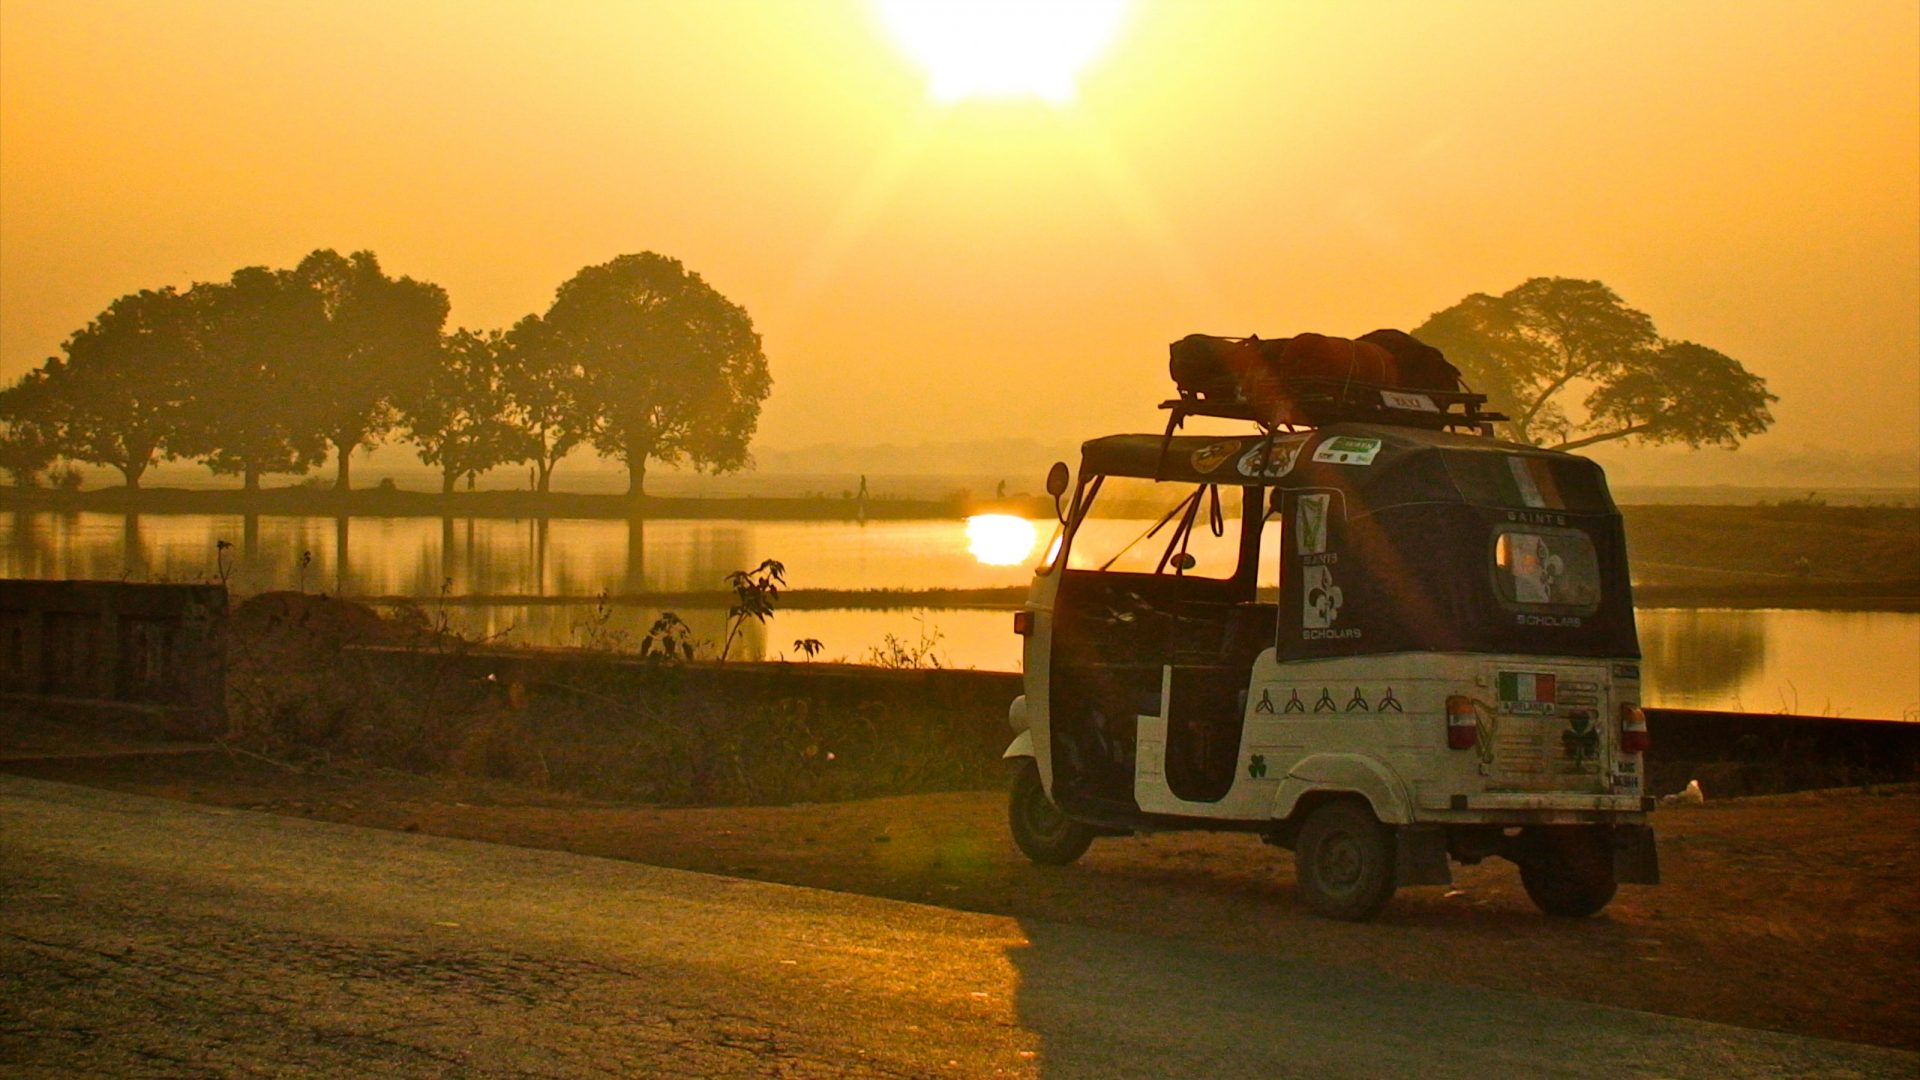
(134, 549)
(539, 531)
(636, 579)
(1839, 663)
(1813, 663)
(1702, 655)
(370, 556)
(342, 583)
(23, 536)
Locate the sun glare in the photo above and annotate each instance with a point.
(1000, 539)
(1003, 48)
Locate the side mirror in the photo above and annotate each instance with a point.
(1057, 486)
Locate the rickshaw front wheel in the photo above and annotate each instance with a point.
(1042, 831)
(1343, 861)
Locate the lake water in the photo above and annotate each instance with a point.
(542, 578)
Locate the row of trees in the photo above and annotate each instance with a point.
(272, 370)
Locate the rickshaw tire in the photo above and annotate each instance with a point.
(1042, 831)
(1343, 861)
(1569, 874)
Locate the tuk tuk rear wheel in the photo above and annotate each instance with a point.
(1042, 831)
(1343, 861)
(1569, 873)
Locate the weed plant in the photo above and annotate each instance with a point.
(897, 653)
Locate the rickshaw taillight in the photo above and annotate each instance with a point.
(1634, 737)
(1023, 623)
(1463, 723)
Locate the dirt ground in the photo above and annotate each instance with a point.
(1797, 913)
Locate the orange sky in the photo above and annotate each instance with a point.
(1747, 173)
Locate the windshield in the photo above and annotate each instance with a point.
(1139, 526)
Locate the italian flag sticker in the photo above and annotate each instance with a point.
(1527, 688)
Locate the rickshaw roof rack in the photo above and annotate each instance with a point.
(1314, 403)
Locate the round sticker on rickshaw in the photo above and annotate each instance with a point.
(1278, 458)
(1208, 458)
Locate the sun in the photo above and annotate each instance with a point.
(1000, 539)
(1003, 48)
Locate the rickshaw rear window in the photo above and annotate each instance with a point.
(1546, 568)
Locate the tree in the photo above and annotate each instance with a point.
(379, 341)
(251, 408)
(27, 438)
(1573, 365)
(542, 381)
(673, 369)
(458, 418)
(1685, 392)
(116, 397)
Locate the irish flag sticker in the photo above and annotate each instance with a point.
(1526, 692)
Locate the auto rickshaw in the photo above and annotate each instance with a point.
(1362, 629)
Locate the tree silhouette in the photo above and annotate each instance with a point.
(459, 417)
(673, 370)
(251, 411)
(1537, 348)
(542, 382)
(380, 340)
(28, 441)
(116, 397)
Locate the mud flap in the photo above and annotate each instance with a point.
(1420, 856)
(1635, 862)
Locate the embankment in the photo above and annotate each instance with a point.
(311, 677)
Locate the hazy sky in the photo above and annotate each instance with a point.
(1747, 173)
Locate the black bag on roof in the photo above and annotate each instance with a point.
(1421, 366)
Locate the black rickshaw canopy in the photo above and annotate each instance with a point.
(1412, 539)
(1377, 465)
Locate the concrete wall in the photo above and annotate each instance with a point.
(1758, 753)
(146, 659)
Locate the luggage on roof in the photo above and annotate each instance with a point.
(1315, 379)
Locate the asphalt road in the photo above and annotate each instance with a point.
(140, 937)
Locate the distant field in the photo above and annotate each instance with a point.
(1735, 495)
(1842, 551)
